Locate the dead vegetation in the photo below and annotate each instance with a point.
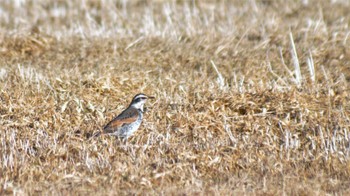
(252, 97)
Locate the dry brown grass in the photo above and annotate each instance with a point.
(232, 114)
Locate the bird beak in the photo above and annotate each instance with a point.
(151, 97)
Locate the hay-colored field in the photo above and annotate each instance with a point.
(251, 97)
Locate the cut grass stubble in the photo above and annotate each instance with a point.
(252, 97)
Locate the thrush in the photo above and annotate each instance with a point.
(127, 122)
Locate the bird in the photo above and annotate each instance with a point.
(129, 120)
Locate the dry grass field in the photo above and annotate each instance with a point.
(252, 97)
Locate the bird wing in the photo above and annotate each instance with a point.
(126, 117)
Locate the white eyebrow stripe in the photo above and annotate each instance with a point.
(140, 96)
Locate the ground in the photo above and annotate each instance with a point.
(252, 97)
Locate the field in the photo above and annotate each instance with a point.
(252, 97)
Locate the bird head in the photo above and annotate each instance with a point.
(139, 100)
